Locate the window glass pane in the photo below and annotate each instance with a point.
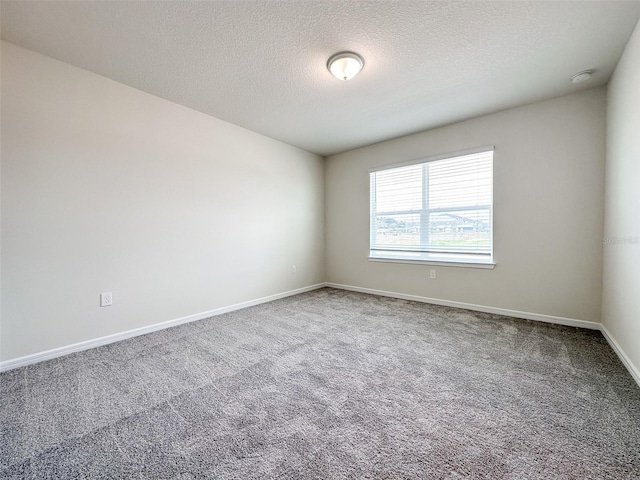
(463, 231)
(397, 230)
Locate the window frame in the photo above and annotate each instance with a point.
(469, 260)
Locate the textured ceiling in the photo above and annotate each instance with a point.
(261, 65)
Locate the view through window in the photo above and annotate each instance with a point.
(439, 210)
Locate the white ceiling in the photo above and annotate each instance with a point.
(261, 65)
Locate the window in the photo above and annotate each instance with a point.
(434, 210)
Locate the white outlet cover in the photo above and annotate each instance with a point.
(106, 299)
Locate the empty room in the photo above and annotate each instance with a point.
(320, 240)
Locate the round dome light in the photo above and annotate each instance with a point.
(345, 65)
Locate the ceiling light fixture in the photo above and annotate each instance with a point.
(345, 65)
(581, 76)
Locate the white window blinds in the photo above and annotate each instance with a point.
(434, 209)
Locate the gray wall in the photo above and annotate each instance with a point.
(621, 295)
(549, 196)
(107, 188)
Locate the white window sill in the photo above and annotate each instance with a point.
(443, 260)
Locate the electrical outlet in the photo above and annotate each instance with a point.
(294, 270)
(106, 299)
(432, 274)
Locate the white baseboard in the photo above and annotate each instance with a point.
(626, 361)
(572, 322)
(116, 337)
(77, 347)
